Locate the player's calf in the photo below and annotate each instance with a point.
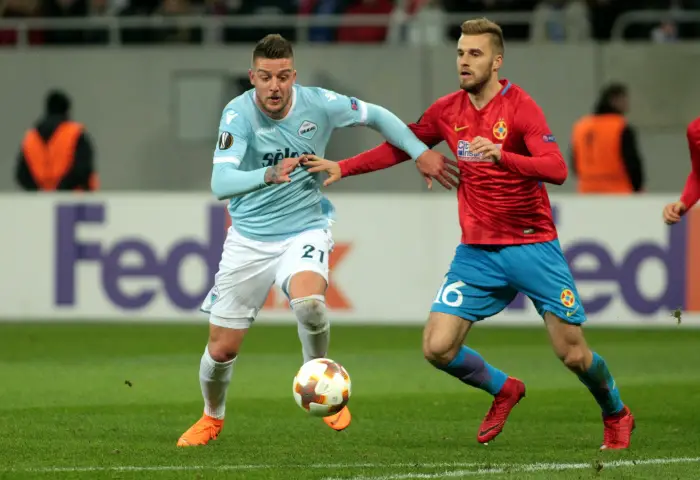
(592, 370)
(442, 347)
(215, 372)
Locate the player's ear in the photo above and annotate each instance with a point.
(497, 62)
(251, 76)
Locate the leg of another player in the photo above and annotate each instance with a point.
(443, 339)
(307, 298)
(570, 346)
(215, 371)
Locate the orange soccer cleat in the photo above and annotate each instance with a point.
(207, 428)
(618, 430)
(340, 421)
(503, 402)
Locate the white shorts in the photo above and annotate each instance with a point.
(249, 268)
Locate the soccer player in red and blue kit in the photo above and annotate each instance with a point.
(691, 192)
(509, 244)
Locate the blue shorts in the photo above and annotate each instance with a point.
(483, 280)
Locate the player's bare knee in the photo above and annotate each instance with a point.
(311, 312)
(575, 359)
(220, 352)
(224, 343)
(438, 351)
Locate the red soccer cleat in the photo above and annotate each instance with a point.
(503, 402)
(618, 430)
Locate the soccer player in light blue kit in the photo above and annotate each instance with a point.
(280, 220)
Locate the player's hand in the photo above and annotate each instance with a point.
(673, 212)
(280, 172)
(318, 164)
(485, 147)
(435, 165)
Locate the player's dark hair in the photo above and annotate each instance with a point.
(57, 103)
(484, 26)
(273, 46)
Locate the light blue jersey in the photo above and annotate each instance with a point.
(249, 142)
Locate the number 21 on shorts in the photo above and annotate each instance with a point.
(449, 294)
(312, 252)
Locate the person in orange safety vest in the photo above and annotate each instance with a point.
(604, 153)
(56, 154)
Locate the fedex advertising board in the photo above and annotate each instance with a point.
(153, 256)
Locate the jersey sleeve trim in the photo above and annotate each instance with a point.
(363, 113)
(234, 160)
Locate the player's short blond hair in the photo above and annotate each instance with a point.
(484, 26)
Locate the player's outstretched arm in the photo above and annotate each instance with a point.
(397, 149)
(546, 162)
(691, 191)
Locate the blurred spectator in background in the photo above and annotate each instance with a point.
(322, 7)
(424, 22)
(366, 34)
(665, 32)
(66, 9)
(604, 153)
(56, 154)
(16, 9)
(560, 21)
(177, 34)
(138, 8)
(262, 7)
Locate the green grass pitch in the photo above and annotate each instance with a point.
(95, 401)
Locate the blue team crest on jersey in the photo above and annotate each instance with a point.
(308, 130)
(548, 138)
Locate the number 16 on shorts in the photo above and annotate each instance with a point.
(449, 294)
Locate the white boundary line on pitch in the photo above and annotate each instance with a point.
(165, 468)
(521, 468)
(481, 468)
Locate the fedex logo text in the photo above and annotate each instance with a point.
(72, 251)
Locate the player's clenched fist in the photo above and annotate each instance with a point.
(485, 147)
(280, 172)
(434, 165)
(673, 212)
(318, 164)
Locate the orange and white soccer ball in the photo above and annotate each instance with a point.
(322, 387)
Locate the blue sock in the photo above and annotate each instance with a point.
(472, 369)
(602, 385)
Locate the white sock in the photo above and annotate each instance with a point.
(214, 378)
(314, 330)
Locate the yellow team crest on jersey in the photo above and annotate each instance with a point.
(567, 298)
(500, 130)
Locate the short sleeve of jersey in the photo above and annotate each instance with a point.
(233, 137)
(343, 111)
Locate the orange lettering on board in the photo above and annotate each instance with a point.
(335, 298)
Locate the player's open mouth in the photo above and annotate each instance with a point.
(465, 75)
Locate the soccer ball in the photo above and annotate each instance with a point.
(321, 387)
